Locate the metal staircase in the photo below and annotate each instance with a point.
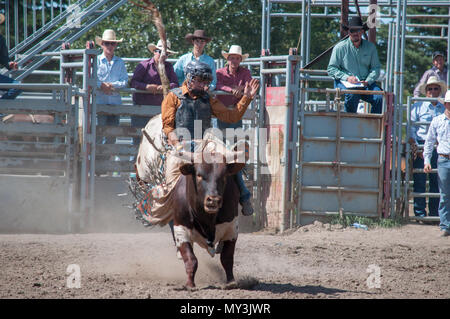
(74, 19)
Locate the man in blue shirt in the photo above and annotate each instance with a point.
(425, 112)
(198, 39)
(439, 133)
(111, 75)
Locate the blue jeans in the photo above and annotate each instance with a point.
(444, 186)
(352, 100)
(420, 180)
(10, 94)
(244, 193)
(109, 120)
(141, 122)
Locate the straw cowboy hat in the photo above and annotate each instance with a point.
(432, 80)
(2, 18)
(197, 34)
(152, 47)
(355, 23)
(108, 36)
(235, 49)
(447, 97)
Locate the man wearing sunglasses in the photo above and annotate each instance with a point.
(355, 61)
(111, 75)
(198, 39)
(425, 111)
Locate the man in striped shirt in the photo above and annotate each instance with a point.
(439, 132)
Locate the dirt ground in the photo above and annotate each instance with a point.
(314, 261)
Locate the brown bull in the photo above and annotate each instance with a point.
(206, 211)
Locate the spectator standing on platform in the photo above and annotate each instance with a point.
(146, 78)
(355, 61)
(232, 79)
(10, 65)
(439, 132)
(438, 70)
(111, 75)
(424, 112)
(198, 39)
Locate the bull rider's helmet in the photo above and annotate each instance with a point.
(197, 69)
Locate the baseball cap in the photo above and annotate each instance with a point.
(437, 53)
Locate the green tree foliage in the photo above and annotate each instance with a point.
(228, 22)
(239, 22)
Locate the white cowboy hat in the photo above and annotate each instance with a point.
(432, 80)
(235, 49)
(108, 36)
(2, 18)
(447, 97)
(152, 47)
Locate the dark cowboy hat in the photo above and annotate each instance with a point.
(355, 23)
(197, 34)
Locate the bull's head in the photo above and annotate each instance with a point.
(209, 181)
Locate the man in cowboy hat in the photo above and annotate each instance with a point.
(438, 70)
(111, 75)
(439, 133)
(355, 61)
(425, 111)
(232, 79)
(10, 65)
(198, 39)
(146, 78)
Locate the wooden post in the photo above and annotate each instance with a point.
(344, 17)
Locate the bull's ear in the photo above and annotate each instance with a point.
(187, 169)
(234, 168)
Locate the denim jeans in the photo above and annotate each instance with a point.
(352, 100)
(444, 187)
(109, 120)
(10, 93)
(420, 180)
(141, 122)
(244, 193)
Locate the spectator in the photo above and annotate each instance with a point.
(232, 79)
(440, 132)
(10, 65)
(425, 112)
(198, 39)
(146, 77)
(355, 61)
(438, 70)
(111, 75)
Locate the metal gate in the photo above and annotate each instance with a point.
(341, 164)
(37, 160)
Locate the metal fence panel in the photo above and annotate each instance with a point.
(341, 173)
